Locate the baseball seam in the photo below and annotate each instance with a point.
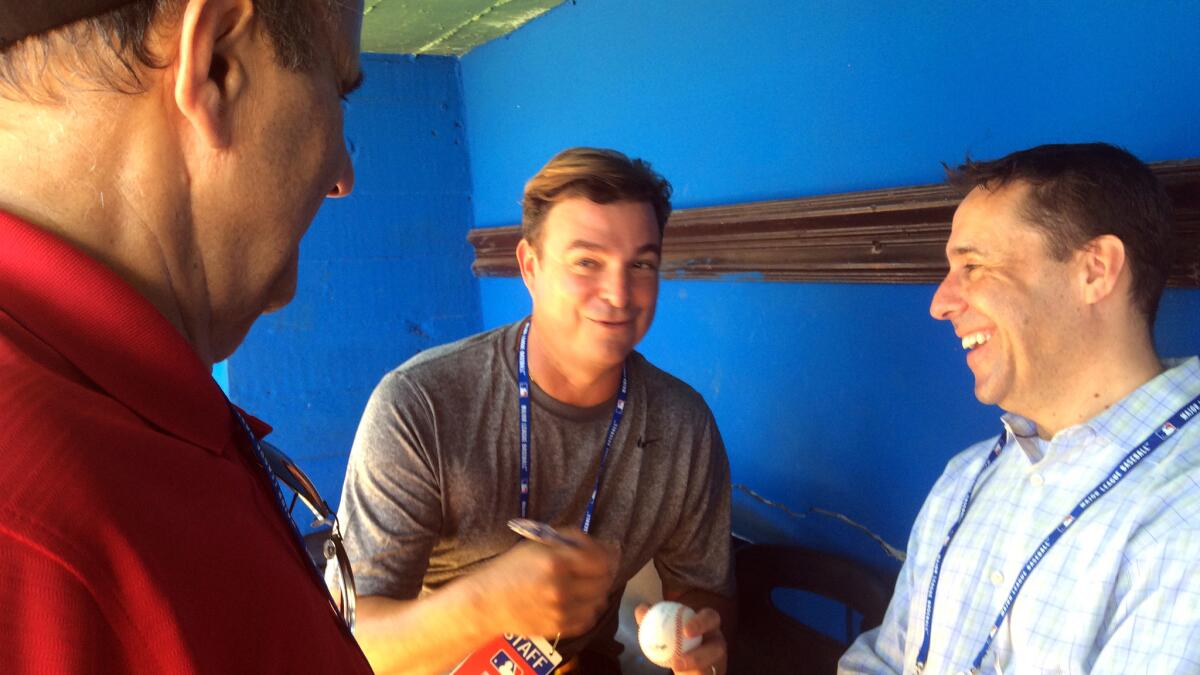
(678, 631)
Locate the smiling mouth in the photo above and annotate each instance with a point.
(613, 324)
(973, 340)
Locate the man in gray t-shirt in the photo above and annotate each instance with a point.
(436, 469)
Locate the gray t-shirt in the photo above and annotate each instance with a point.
(434, 476)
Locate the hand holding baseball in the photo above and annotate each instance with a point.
(705, 657)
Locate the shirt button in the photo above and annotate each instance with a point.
(997, 578)
(1037, 479)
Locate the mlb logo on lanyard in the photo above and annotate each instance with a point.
(505, 665)
(511, 655)
(1166, 430)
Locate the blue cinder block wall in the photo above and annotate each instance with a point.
(384, 272)
(844, 397)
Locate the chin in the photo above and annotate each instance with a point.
(612, 354)
(283, 292)
(986, 395)
(275, 305)
(224, 346)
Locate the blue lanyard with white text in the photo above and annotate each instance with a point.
(526, 439)
(1132, 459)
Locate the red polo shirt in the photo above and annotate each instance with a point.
(136, 534)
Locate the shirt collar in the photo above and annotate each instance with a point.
(111, 334)
(1127, 422)
(1130, 420)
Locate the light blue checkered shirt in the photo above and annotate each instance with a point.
(1119, 593)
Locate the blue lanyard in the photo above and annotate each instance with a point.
(526, 439)
(1132, 459)
(281, 503)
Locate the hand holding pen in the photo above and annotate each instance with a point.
(555, 582)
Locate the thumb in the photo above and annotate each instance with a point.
(639, 612)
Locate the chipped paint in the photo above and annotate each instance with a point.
(891, 551)
(445, 27)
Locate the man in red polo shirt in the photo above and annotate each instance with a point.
(160, 161)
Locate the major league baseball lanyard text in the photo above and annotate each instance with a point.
(526, 440)
(1135, 456)
(281, 503)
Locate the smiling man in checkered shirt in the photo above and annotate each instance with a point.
(1078, 536)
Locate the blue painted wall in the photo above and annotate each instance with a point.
(843, 397)
(384, 273)
(220, 373)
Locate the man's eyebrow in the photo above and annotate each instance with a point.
(585, 244)
(353, 85)
(966, 249)
(593, 246)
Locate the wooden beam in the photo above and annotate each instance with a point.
(877, 236)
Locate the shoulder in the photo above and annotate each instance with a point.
(968, 461)
(468, 359)
(457, 355)
(1164, 493)
(668, 392)
(46, 407)
(1167, 501)
(956, 479)
(68, 448)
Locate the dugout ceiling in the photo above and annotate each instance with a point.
(446, 27)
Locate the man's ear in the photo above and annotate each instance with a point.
(214, 39)
(527, 261)
(1103, 260)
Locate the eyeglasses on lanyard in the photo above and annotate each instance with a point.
(290, 475)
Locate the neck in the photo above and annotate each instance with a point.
(1103, 382)
(571, 383)
(84, 171)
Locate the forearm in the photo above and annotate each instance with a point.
(428, 635)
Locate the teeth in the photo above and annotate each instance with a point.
(974, 340)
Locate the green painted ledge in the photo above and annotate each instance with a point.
(448, 27)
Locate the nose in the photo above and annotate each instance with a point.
(615, 287)
(345, 180)
(947, 300)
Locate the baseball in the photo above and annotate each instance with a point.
(661, 632)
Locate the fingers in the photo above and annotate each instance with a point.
(700, 661)
(591, 555)
(639, 612)
(547, 589)
(705, 621)
(590, 569)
